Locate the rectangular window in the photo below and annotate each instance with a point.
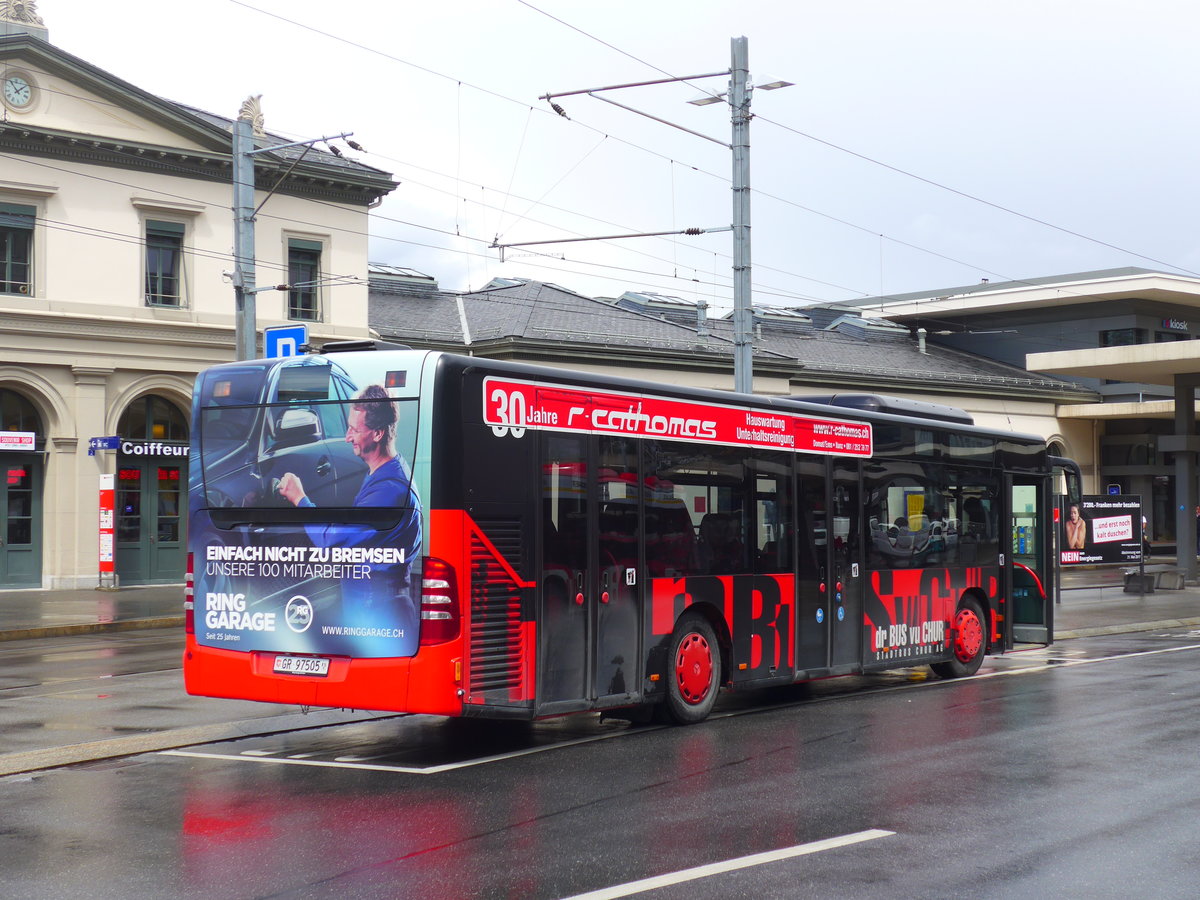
(304, 267)
(164, 262)
(931, 516)
(1122, 337)
(696, 521)
(16, 248)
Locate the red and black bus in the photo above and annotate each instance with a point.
(431, 533)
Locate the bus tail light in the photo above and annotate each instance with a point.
(189, 598)
(441, 618)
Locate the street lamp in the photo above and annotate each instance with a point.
(244, 212)
(738, 98)
(743, 316)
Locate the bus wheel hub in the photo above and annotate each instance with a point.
(693, 668)
(969, 635)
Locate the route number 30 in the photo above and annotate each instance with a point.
(510, 410)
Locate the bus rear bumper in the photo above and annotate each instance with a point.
(384, 685)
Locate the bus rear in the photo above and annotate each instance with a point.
(311, 575)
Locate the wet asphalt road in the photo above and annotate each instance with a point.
(1065, 772)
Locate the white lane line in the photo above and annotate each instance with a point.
(1067, 663)
(730, 865)
(234, 757)
(346, 762)
(449, 767)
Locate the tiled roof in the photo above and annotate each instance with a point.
(542, 315)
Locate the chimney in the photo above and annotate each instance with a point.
(921, 340)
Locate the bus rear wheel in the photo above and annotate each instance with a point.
(694, 673)
(970, 641)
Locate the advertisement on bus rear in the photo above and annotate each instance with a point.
(1102, 529)
(326, 558)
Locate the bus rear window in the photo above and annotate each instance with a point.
(308, 455)
(303, 384)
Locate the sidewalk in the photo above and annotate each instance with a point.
(40, 614)
(1093, 601)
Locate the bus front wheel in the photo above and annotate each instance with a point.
(970, 641)
(694, 673)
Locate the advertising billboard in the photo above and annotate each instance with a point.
(328, 559)
(1102, 529)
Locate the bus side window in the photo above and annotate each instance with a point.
(670, 541)
(720, 548)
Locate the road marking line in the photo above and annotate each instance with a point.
(234, 757)
(259, 755)
(730, 865)
(345, 762)
(1066, 663)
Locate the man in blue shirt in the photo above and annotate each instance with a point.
(386, 599)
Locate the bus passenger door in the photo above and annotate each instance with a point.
(589, 610)
(830, 616)
(812, 566)
(1030, 603)
(845, 566)
(618, 610)
(566, 574)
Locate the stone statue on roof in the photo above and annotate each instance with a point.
(23, 12)
(251, 111)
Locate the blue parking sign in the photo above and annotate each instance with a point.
(284, 340)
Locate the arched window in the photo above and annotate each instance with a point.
(18, 414)
(153, 418)
(1056, 449)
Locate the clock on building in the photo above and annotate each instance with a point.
(18, 92)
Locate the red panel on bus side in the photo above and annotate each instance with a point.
(759, 614)
(498, 668)
(908, 611)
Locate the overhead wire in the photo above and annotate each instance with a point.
(896, 169)
(698, 169)
(489, 92)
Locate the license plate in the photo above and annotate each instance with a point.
(301, 665)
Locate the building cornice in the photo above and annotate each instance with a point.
(343, 186)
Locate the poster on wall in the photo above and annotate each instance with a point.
(1102, 529)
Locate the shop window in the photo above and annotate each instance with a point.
(304, 269)
(18, 414)
(16, 248)
(153, 418)
(164, 264)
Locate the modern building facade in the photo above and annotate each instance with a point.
(1127, 334)
(115, 238)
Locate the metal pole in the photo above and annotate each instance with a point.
(739, 101)
(1184, 444)
(246, 327)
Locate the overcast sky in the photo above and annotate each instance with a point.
(1045, 136)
